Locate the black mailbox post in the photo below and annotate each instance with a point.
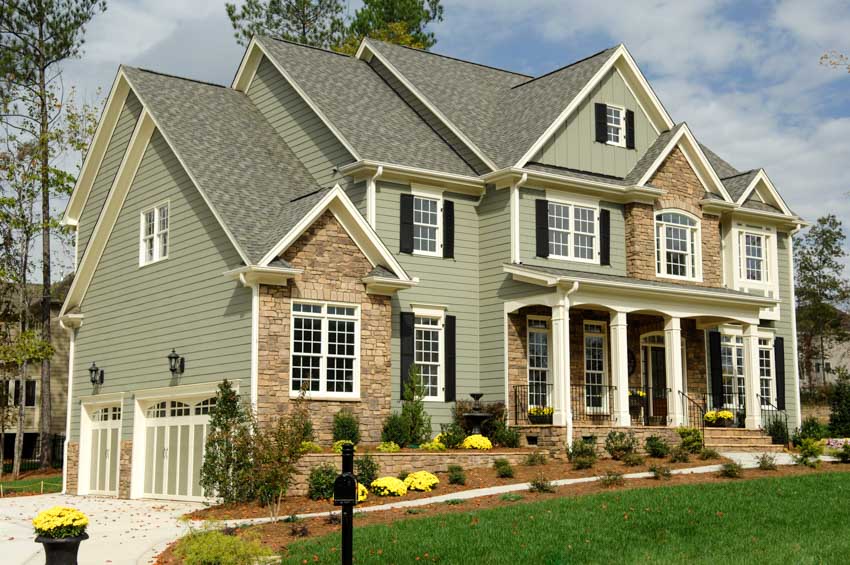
(345, 495)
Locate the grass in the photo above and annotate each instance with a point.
(51, 484)
(748, 521)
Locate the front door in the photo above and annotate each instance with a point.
(105, 450)
(658, 383)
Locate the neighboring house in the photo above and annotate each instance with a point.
(836, 356)
(328, 221)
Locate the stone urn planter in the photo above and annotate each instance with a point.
(61, 551)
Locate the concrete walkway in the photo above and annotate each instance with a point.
(123, 532)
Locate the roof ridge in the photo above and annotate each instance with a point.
(482, 65)
(314, 47)
(559, 69)
(168, 75)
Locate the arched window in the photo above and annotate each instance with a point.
(677, 245)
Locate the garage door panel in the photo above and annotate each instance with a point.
(113, 460)
(183, 481)
(159, 460)
(149, 459)
(95, 459)
(198, 458)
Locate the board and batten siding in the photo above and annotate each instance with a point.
(784, 327)
(134, 316)
(108, 169)
(452, 283)
(528, 251)
(307, 136)
(574, 144)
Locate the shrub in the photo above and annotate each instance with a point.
(366, 469)
(337, 447)
(389, 486)
(536, 458)
(766, 462)
(402, 474)
(811, 429)
(708, 453)
(395, 430)
(582, 462)
(844, 453)
(310, 447)
(503, 435)
(414, 418)
(583, 448)
(452, 435)
(388, 447)
(205, 547)
(657, 446)
(320, 482)
(691, 439)
(433, 445)
(661, 472)
(541, 484)
(346, 426)
(680, 455)
(618, 444)
(476, 441)
(299, 530)
(810, 451)
(510, 497)
(456, 475)
(633, 460)
(731, 471)
(422, 481)
(777, 429)
(612, 479)
(60, 522)
(839, 405)
(503, 468)
(454, 501)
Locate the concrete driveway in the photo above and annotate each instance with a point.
(122, 532)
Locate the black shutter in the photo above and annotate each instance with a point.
(29, 394)
(716, 365)
(405, 235)
(448, 229)
(451, 358)
(17, 397)
(630, 129)
(604, 237)
(406, 319)
(779, 363)
(601, 122)
(542, 227)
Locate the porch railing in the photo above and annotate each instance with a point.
(592, 402)
(693, 410)
(533, 404)
(773, 420)
(649, 406)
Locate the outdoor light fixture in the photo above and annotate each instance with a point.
(95, 374)
(176, 363)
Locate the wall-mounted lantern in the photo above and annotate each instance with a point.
(176, 363)
(95, 374)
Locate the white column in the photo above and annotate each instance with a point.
(620, 368)
(561, 364)
(751, 377)
(673, 351)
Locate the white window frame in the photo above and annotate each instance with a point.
(323, 392)
(438, 314)
(694, 266)
(156, 237)
(735, 332)
(572, 204)
(770, 274)
(548, 332)
(768, 347)
(429, 193)
(604, 409)
(621, 134)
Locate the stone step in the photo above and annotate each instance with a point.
(721, 432)
(766, 448)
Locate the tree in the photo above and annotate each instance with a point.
(311, 22)
(36, 36)
(821, 287)
(395, 32)
(839, 404)
(376, 18)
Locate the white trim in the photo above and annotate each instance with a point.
(180, 391)
(88, 405)
(793, 335)
(621, 129)
(438, 313)
(462, 184)
(606, 370)
(637, 99)
(255, 346)
(573, 201)
(253, 275)
(72, 351)
(761, 177)
(434, 195)
(549, 357)
(372, 198)
(516, 247)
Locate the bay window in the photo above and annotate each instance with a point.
(325, 349)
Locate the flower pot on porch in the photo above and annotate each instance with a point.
(540, 419)
(61, 551)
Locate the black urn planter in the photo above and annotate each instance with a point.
(61, 551)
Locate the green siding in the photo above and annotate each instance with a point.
(784, 328)
(574, 144)
(313, 143)
(108, 168)
(527, 222)
(135, 315)
(357, 193)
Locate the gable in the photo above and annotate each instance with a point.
(573, 144)
(683, 186)
(326, 248)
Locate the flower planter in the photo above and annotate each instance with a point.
(540, 420)
(61, 551)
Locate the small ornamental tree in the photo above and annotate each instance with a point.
(839, 403)
(227, 469)
(416, 419)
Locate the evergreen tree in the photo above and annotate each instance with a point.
(226, 472)
(311, 22)
(376, 18)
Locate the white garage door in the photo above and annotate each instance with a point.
(105, 450)
(175, 435)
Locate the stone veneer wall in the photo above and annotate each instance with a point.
(125, 468)
(333, 268)
(684, 192)
(72, 468)
(640, 432)
(518, 350)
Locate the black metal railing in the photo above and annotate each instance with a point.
(774, 421)
(694, 411)
(592, 402)
(31, 453)
(533, 404)
(723, 403)
(649, 406)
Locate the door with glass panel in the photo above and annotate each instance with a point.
(538, 363)
(175, 436)
(105, 450)
(595, 355)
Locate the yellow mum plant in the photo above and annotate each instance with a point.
(338, 445)
(362, 492)
(421, 481)
(60, 522)
(389, 486)
(476, 441)
(433, 445)
(388, 447)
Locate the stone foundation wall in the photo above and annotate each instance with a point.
(640, 432)
(550, 438)
(72, 468)
(125, 468)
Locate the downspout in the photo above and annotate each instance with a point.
(371, 190)
(514, 196)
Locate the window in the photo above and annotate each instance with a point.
(428, 336)
(107, 414)
(154, 235)
(10, 392)
(538, 362)
(205, 406)
(594, 365)
(732, 363)
(766, 371)
(614, 119)
(574, 240)
(426, 225)
(676, 246)
(325, 347)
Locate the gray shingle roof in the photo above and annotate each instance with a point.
(721, 167)
(737, 184)
(651, 154)
(366, 111)
(575, 173)
(754, 204)
(380, 271)
(245, 169)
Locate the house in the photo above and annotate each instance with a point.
(554, 242)
(823, 370)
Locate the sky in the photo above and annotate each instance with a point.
(744, 75)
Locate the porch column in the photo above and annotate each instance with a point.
(620, 368)
(673, 351)
(751, 377)
(561, 364)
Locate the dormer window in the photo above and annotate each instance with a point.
(614, 122)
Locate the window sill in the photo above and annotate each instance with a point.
(327, 396)
(573, 259)
(437, 254)
(154, 262)
(676, 278)
(612, 144)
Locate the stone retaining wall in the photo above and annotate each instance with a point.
(641, 433)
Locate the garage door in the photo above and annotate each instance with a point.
(105, 450)
(175, 435)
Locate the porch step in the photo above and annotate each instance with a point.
(732, 439)
(727, 447)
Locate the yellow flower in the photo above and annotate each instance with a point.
(433, 445)
(60, 522)
(388, 447)
(362, 492)
(421, 481)
(541, 411)
(476, 441)
(338, 445)
(389, 486)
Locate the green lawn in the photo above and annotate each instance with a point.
(802, 519)
(51, 484)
